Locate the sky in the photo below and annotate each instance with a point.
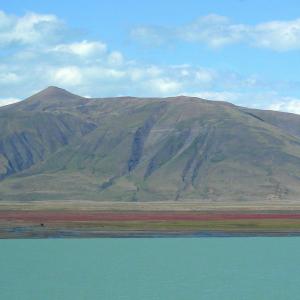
(246, 52)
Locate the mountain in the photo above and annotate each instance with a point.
(56, 145)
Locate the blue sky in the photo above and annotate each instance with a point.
(241, 51)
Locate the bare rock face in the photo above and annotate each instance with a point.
(57, 145)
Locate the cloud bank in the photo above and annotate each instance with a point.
(218, 31)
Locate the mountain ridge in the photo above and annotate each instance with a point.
(58, 145)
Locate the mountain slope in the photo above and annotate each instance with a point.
(56, 145)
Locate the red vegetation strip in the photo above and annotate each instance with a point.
(44, 216)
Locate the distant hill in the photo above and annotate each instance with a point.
(56, 145)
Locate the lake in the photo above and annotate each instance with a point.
(151, 269)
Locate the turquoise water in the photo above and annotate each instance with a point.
(144, 269)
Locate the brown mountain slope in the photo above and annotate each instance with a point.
(56, 145)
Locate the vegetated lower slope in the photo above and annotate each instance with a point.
(56, 145)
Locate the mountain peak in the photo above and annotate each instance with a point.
(53, 92)
(51, 97)
(53, 88)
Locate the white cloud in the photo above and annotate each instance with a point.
(204, 76)
(163, 86)
(28, 29)
(151, 36)
(214, 30)
(115, 58)
(277, 35)
(94, 73)
(7, 101)
(9, 77)
(69, 76)
(287, 104)
(184, 73)
(138, 73)
(84, 48)
(218, 31)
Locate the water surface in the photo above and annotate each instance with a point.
(151, 269)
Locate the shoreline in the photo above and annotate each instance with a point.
(12, 235)
(80, 219)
